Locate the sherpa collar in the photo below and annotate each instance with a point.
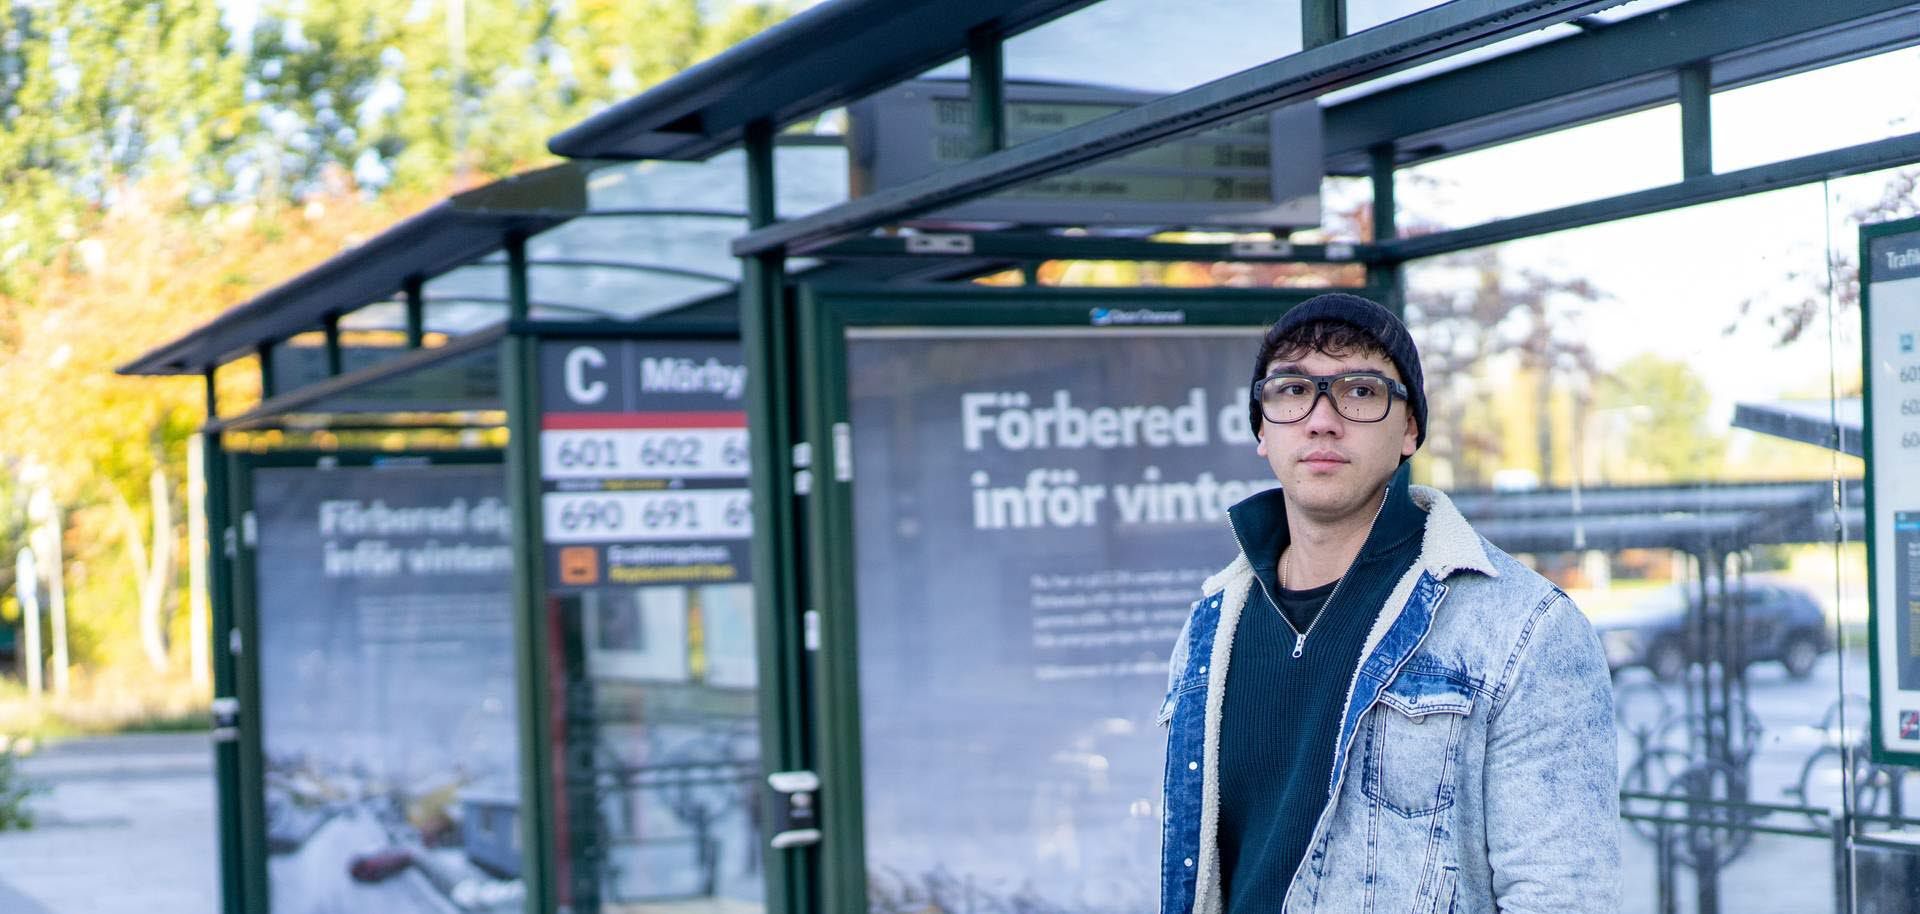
(1449, 545)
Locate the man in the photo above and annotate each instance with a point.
(1372, 708)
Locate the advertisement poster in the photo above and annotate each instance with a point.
(1035, 510)
(387, 689)
(647, 521)
(1890, 277)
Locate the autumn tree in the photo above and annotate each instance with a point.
(1467, 324)
(157, 169)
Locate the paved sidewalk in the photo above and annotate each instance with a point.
(127, 827)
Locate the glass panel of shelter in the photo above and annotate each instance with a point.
(1885, 873)
(1825, 107)
(1365, 14)
(656, 719)
(1613, 156)
(1151, 48)
(1597, 369)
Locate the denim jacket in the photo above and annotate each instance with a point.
(1474, 769)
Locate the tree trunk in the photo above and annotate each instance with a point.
(153, 572)
(197, 547)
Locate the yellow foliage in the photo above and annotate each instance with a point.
(148, 270)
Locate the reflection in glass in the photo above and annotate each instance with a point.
(659, 797)
(1365, 14)
(1155, 46)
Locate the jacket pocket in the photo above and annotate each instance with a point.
(1172, 702)
(1414, 743)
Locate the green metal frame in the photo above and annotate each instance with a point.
(785, 727)
(223, 539)
(244, 663)
(1881, 753)
(826, 314)
(779, 692)
(1433, 33)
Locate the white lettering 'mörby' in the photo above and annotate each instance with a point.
(685, 376)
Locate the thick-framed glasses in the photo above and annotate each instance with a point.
(1358, 396)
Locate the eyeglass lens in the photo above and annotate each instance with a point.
(1361, 398)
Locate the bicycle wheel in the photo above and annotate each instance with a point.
(1821, 787)
(1654, 772)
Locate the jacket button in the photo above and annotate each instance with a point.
(1203, 669)
(1192, 765)
(1189, 861)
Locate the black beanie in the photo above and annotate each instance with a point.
(1373, 320)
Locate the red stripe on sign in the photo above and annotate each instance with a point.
(643, 420)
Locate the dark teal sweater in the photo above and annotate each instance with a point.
(1282, 714)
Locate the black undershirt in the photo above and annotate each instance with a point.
(1301, 607)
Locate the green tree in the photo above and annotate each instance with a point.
(1651, 419)
(97, 93)
(147, 160)
(1497, 317)
(404, 93)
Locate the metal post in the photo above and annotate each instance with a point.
(520, 394)
(243, 640)
(1706, 869)
(331, 324)
(265, 353)
(1322, 22)
(1387, 277)
(1842, 861)
(766, 331)
(1696, 120)
(987, 86)
(1666, 898)
(416, 313)
(221, 540)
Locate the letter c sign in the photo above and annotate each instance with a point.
(574, 374)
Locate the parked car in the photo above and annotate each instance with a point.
(1783, 622)
(380, 864)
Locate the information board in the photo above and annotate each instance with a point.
(1890, 320)
(643, 462)
(388, 702)
(646, 520)
(1028, 516)
(1263, 171)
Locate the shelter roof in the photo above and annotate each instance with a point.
(1694, 518)
(456, 231)
(823, 57)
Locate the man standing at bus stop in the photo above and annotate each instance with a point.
(1373, 708)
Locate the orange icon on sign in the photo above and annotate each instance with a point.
(579, 565)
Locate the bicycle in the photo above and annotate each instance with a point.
(1845, 751)
(1668, 775)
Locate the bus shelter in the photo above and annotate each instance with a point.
(980, 500)
(383, 733)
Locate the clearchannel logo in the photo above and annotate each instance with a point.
(1113, 317)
